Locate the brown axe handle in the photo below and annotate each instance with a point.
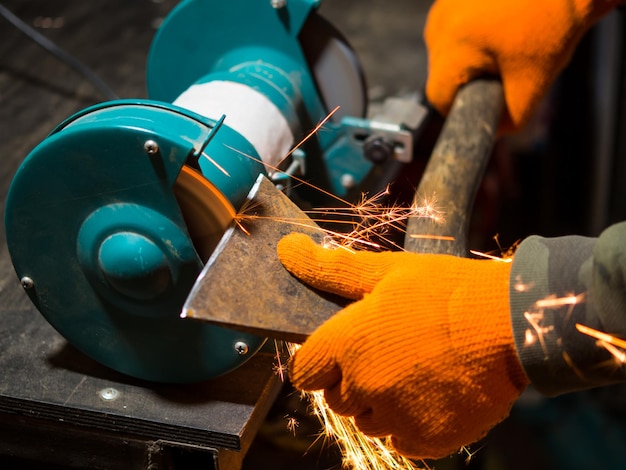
(455, 169)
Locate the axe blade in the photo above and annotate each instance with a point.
(245, 287)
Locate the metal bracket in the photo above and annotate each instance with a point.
(391, 131)
(399, 140)
(296, 167)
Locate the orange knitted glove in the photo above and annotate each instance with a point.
(524, 42)
(426, 355)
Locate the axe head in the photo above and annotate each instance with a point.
(244, 286)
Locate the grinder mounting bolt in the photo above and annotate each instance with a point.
(378, 150)
(151, 147)
(27, 282)
(109, 393)
(241, 348)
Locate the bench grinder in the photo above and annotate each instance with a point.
(110, 219)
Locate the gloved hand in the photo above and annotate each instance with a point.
(524, 42)
(425, 355)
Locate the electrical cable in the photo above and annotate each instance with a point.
(59, 53)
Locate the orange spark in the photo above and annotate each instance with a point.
(570, 363)
(434, 237)
(427, 209)
(521, 286)
(374, 220)
(359, 451)
(217, 165)
(308, 136)
(509, 252)
(529, 338)
(495, 258)
(470, 454)
(618, 354)
(279, 368)
(292, 424)
(560, 301)
(605, 337)
(535, 319)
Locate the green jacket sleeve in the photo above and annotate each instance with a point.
(557, 284)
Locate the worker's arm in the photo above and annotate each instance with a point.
(524, 42)
(561, 287)
(435, 349)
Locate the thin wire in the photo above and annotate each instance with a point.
(59, 53)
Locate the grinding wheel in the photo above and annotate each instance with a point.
(207, 212)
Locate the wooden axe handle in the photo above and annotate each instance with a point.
(455, 169)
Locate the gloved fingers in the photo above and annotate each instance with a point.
(317, 364)
(314, 366)
(335, 270)
(444, 80)
(465, 47)
(525, 87)
(343, 402)
(454, 58)
(408, 437)
(413, 449)
(370, 423)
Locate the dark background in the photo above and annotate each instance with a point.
(563, 174)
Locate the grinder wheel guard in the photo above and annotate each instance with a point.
(108, 230)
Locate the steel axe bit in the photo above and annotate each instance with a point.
(244, 286)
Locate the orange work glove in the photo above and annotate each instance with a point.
(524, 42)
(426, 355)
